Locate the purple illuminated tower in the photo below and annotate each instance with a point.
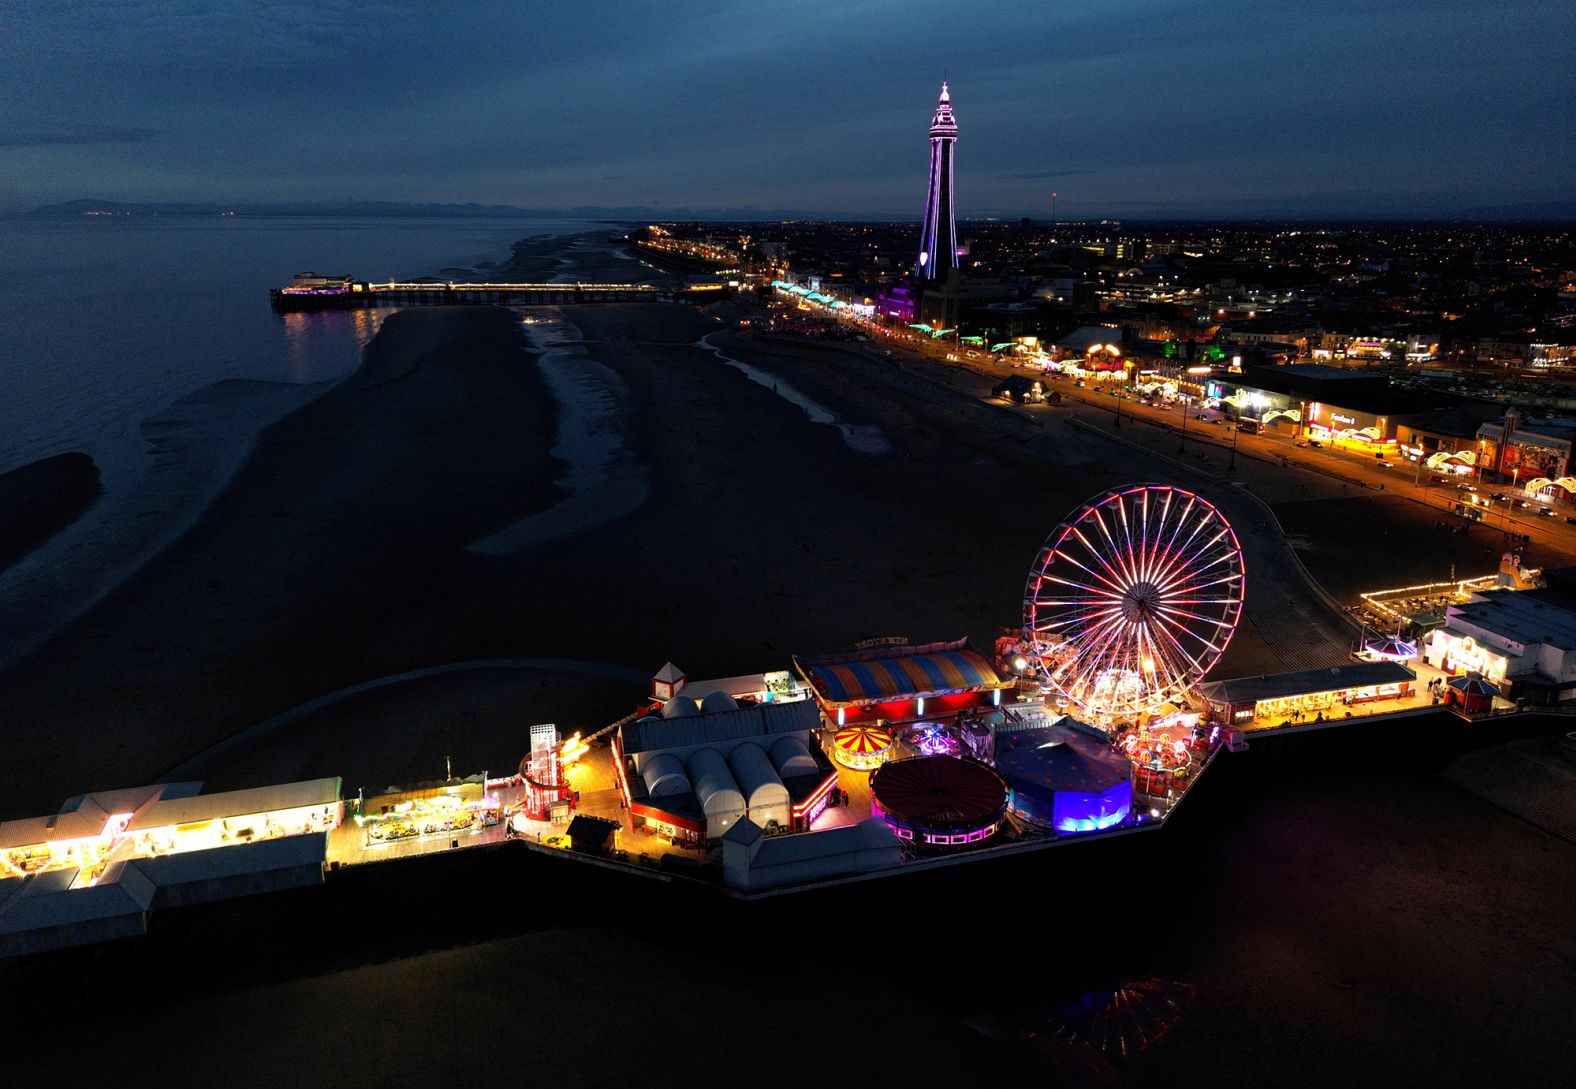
(938, 242)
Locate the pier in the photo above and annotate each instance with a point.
(310, 291)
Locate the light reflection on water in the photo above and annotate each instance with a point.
(315, 342)
(107, 323)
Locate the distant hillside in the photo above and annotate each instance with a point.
(1544, 211)
(395, 209)
(360, 208)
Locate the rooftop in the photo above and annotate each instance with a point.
(1305, 682)
(762, 720)
(1525, 618)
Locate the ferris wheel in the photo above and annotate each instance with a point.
(1133, 599)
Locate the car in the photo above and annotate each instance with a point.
(1521, 504)
(1383, 464)
(1547, 512)
(1467, 487)
(1571, 518)
(1499, 497)
(1316, 444)
(1439, 479)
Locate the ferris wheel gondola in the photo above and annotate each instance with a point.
(1133, 599)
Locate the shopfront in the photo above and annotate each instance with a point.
(1279, 697)
(1351, 429)
(1458, 654)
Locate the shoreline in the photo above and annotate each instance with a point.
(44, 498)
(196, 447)
(344, 512)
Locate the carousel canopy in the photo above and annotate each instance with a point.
(852, 682)
(863, 739)
(1397, 650)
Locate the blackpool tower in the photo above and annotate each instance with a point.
(938, 242)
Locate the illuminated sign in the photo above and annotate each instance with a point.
(1340, 419)
(1463, 654)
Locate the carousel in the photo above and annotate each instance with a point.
(862, 748)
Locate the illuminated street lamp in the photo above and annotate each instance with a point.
(1231, 466)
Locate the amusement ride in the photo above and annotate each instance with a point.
(1132, 600)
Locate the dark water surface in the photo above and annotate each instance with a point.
(108, 320)
(149, 343)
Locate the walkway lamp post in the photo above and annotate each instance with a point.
(1182, 443)
(1231, 466)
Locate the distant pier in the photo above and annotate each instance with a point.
(309, 291)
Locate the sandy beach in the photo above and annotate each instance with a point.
(334, 538)
(799, 497)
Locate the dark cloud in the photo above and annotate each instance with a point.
(75, 135)
(1041, 175)
(819, 105)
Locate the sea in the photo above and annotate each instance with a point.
(148, 342)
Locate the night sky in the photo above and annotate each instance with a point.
(1126, 107)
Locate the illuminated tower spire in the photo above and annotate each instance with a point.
(938, 241)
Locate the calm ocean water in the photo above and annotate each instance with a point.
(108, 323)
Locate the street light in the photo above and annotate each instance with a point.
(1121, 387)
(1231, 466)
(1182, 443)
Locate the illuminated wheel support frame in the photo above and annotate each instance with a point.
(1133, 599)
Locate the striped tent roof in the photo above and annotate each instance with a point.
(879, 680)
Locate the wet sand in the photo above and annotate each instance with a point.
(1342, 920)
(346, 550)
(315, 569)
(42, 498)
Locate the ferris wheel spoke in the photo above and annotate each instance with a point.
(1116, 579)
(1151, 548)
(1203, 567)
(1112, 592)
(1182, 560)
(1127, 537)
(1116, 587)
(1159, 651)
(1182, 650)
(1094, 642)
(1175, 558)
(1190, 562)
(1200, 587)
(1136, 599)
(1102, 648)
(1115, 558)
(1183, 636)
(1170, 611)
(1105, 554)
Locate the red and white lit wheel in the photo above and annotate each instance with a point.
(1133, 599)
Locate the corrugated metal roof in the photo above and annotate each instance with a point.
(763, 720)
(262, 856)
(47, 900)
